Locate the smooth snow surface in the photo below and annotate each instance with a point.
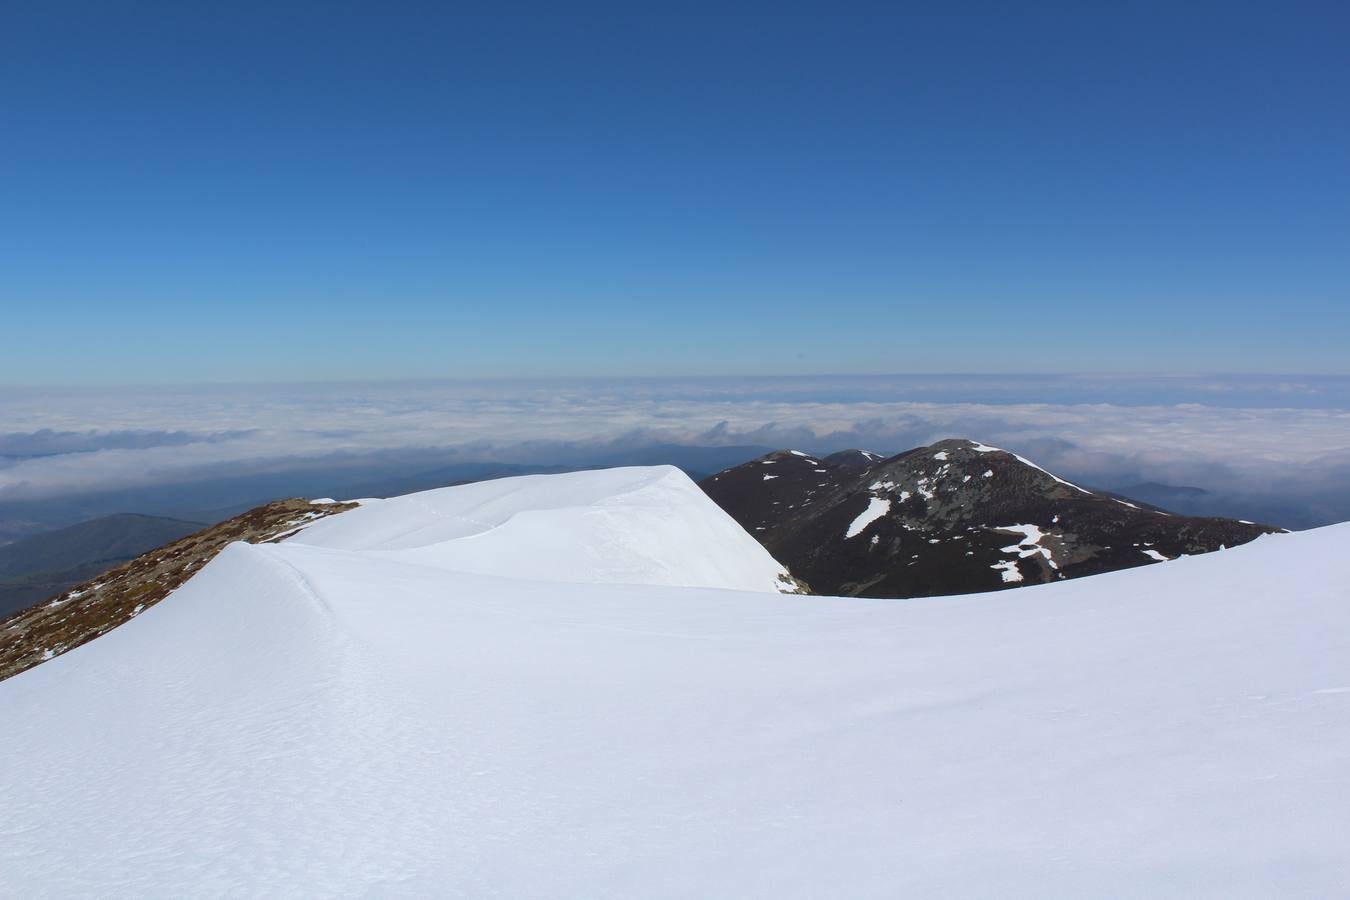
(634, 526)
(342, 720)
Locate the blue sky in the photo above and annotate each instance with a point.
(318, 191)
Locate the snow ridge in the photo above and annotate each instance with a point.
(630, 525)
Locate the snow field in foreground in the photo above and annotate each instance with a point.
(354, 716)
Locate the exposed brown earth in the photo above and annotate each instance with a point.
(89, 610)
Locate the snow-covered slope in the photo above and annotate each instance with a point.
(630, 525)
(338, 718)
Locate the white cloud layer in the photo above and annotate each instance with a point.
(72, 441)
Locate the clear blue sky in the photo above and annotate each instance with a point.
(363, 190)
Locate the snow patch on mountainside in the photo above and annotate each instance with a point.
(876, 508)
(1026, 462)
(1029, 545)
(1007, 568)
(985, 448)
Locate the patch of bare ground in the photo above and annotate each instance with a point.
(89, 610)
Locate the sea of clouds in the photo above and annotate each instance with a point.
(1246, 435)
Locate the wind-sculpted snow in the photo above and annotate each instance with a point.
(340, 720)
(630, 525)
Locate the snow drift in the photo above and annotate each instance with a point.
(359, 714)
(629, 525)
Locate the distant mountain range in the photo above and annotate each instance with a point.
(955, 517)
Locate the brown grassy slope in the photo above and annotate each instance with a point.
(86, 611)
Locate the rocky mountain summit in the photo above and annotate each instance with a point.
(955, 517)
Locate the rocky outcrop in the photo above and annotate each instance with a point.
(956, 517)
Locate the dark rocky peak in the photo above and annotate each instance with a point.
(954, 517)
(856, 460)
(952, 478)
(764, 492)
